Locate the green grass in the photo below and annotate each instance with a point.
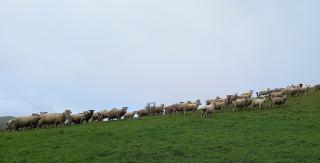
(287, 134)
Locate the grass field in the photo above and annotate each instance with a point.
(287, 134)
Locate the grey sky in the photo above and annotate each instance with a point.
(102, 54)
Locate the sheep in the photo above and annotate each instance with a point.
(142, 112)
(171, 108)
(55, 119)
(278, 100)
(208, 102)
(116, 113)
(81, 117)
(219, 105)
(231, 98)
(24, 122)
(317, 88)
(129, 115)
(95, 116)
(156, 109)
(291, 91)
(207, 110)
(277, 94)
(247, 93)
(103, 114)
(243, 96)
(241, 103)
(258, 102)
(303, 90)
(190, 106)
(263, 92)
(275, 90)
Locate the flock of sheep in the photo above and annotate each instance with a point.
(276, 96)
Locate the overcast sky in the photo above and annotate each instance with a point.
(102, 54)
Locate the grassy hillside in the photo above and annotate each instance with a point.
(288, 134)
(3, 121)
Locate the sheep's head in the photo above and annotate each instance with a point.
(43, 113)
(67, 113)
(198, 102)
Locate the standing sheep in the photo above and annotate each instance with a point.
(54, 119)
(116, 113)
(258, 102)
(241, 103)
(278, 101)
(207, 110)
(129, 115)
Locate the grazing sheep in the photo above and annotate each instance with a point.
(129, 115)
(207, 110)
(258, 102)
(278, 100)
(116, 113)
(54, 119)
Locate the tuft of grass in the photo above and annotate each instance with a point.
(287, 134)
